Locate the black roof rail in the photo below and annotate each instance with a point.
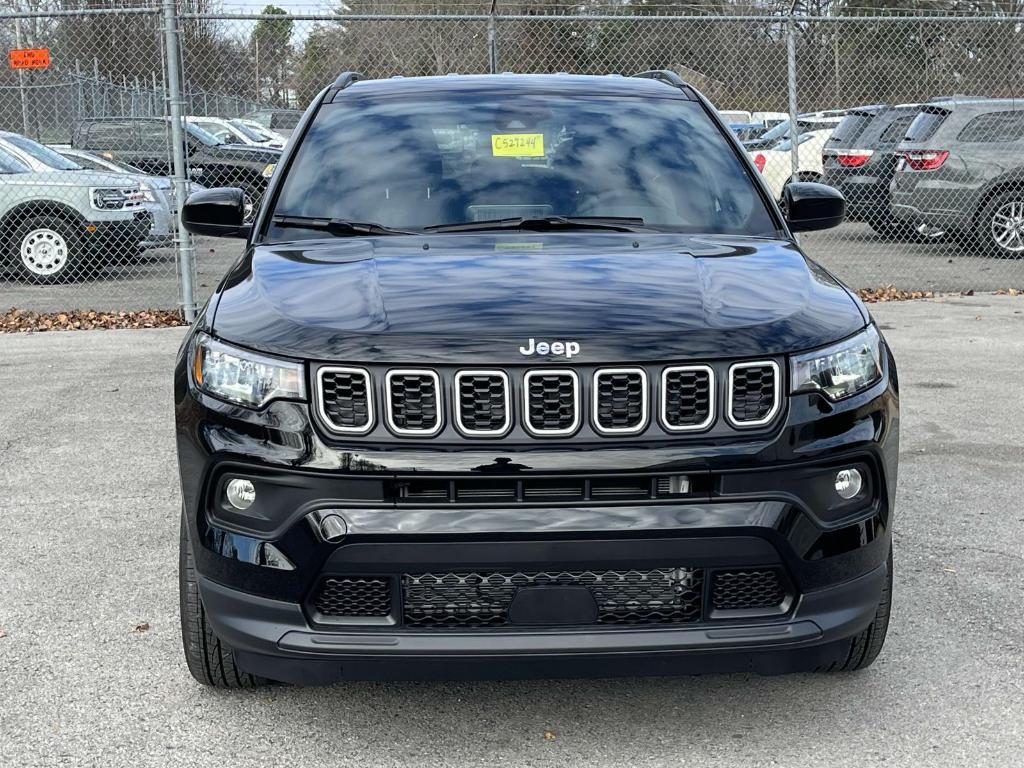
(665, 75)
(345, 79)
(670, 78)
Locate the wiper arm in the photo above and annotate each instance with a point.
(337, 226)
(608, 223)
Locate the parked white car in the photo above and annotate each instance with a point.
(734, 116)
(776, 164)
(228, 132)
(274, 139)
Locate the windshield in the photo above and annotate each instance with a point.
(456, 158)
(778, 132)
(10, 164)
(43, 154)
(246, 131)
(202, 136)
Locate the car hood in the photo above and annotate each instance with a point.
(477, 298)
(83, 179)
(243, 153)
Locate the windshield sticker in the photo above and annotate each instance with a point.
(517, 144)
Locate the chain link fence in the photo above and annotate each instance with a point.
(918, 119)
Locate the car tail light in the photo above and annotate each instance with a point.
(759, 161)
(854, 158)
(925, 161)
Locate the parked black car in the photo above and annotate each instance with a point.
(145, 143)
(961, 172)
(860, 159)
(527, 375)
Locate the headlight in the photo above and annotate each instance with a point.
(148, 193)
(105, 199)
(269, 171)
(841, 370)
(244, 377)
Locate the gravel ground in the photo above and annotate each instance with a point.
(89, 645)
(852, 251)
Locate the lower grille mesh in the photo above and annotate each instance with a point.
(354, 597)
(745, 590)
(467, 600)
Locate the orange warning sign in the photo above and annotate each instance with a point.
(29, 58)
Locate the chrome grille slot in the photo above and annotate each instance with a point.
(558, 489)
(620, 400)
(414, 402)
(687, 398)
(754, 393)
(483, 405)
(552, 402)
(345, 399)
(620, 488)
(485, 490)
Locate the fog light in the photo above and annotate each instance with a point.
(848, 483)
(241, 493)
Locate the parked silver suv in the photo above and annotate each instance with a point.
(60, 225)
(961, 172)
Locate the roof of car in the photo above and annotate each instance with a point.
(596, 84)
(957, 102)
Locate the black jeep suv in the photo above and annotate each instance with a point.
(144, 143)
(527, 375)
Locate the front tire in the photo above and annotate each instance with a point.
(863, 648)
(209, 659)
(1000, 227)
(46, 250)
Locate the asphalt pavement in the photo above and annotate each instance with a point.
(853, 251)
(91, 671)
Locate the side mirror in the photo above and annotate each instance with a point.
(218, 212)
(809, 206)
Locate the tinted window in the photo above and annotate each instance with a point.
(153, 136)
(850, 128)
(896, 130)
(111, 135)
(286, 120)
(925, 124)
(470, 157)
(87, 162)
(995, 127)
(10, 164)
(43, 154)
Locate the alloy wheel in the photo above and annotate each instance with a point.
(1007, 226)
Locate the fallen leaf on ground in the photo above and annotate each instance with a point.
(549, 735)
(24, 321)
(891, 293)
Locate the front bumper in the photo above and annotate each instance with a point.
(117, 238)
(273, 639)
(754, 504)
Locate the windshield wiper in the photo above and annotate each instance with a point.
(337, 226)
(608, 223)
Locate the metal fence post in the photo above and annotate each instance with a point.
(492, 39)
(794, 129)
(180, 174)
